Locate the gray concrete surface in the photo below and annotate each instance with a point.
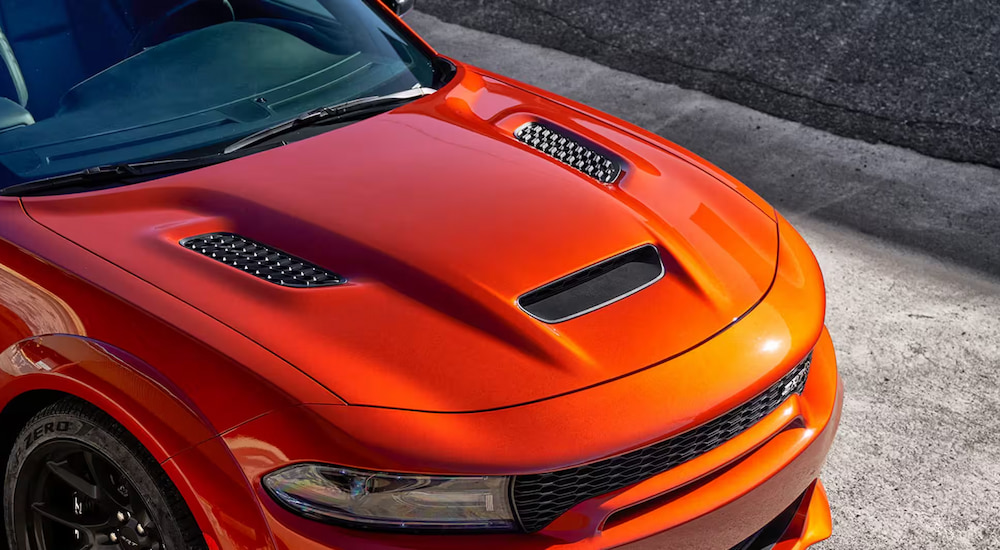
(919, 73)
(948, 209)
(917, 331)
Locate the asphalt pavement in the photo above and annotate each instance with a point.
(910, 249)
(924, 74)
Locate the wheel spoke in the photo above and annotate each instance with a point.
(76, 488)
(135, 503)
(103, 478)
(90, 490)
(66, 520)
(88, 459)
(143, 517)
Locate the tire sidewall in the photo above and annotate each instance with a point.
(87, 432)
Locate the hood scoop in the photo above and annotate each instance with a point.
(594, 287)
(569, 151)
(261, 261)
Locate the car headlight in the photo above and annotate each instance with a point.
(386, 500)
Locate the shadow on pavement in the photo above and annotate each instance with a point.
(922, 75)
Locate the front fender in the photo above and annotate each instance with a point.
(135, 394)
(217, 491)
(158, 414)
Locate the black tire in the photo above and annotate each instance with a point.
(77, 479)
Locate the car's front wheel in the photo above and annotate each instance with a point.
(77, 479)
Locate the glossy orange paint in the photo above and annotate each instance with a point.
(756, 475)
(423, 363)
(425, 253)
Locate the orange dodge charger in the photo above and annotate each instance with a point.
(276, 275)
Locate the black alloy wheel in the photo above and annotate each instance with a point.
(76, 480)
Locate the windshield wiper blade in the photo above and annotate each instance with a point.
(332, 113)
(100, 175)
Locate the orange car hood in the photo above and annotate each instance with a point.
(439, 218)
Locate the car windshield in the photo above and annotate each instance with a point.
(99, 82)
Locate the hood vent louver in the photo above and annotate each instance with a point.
(594, 287)
(262, 261)
(569, 152)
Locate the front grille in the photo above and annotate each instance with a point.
(541, 498)
(261, 261)
(570, 152)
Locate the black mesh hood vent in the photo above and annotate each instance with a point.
(261, 261)
(541, 498)
(569, 152)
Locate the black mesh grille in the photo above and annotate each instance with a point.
(261, 261)
(569, 152)
(541, 498)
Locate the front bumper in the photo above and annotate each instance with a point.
(799, 526)
(730, 504)
(714, 501)
(755, 491)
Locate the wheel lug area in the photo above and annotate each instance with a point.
(130, 532)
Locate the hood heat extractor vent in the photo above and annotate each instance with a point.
(569, 152)
(594, 287)
(262, 261)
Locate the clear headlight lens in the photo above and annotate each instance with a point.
(384, 500)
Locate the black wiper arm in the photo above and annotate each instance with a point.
(329, 114)
(100, 175)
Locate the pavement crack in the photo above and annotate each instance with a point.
(919, 316)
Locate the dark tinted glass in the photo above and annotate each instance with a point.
(112, 81)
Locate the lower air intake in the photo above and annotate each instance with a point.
(261, 261)
(541, 498)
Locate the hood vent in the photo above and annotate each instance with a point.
(569, 152)
(594, 287)
(262, 261)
